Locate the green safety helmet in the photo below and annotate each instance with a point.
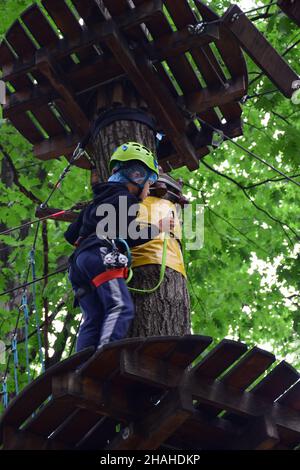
(134, 151)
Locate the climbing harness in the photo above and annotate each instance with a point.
(116, 259)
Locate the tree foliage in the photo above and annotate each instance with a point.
(244, 282)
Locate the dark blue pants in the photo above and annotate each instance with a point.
(108, 309)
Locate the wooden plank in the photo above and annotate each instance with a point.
(39, 27)
(32, 396)
(179, 65)
(89, 11)
(56, 147)
(278, 381)
(49, 121)
(158, 347)
(99, 436)
(157, 425)
(207, 98)
(260, 434)
(270, 388)
(292, 397)
(147, 82)
(138, 367)
(172, 45)
(71, 107)
(227, 45)
(59, 146)
(25, 440)
(103, 398)
(47, 420)
(187, 350)
(68, 25)
(26, 127)
(246, 404)
(219, 359)
(7, 57)
(106, 360)
(134, 17)
(24, 47)
(29, 99)
(172, 160)
(291, 8)
(73, 429)
(260, 50)
(201, 431)
(248, 369)
(204, 58)
(93, 36)
(95, 75)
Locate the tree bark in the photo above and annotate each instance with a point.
(166, 311)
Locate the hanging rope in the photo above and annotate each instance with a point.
(75, 337)
(37, 221)
(4, 393)
(14, 344)
(23, 286)
(14, 350)
(76, 155)
(24, 307)
(34, 303)
(161, 276)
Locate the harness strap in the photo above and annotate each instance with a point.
(109, 275)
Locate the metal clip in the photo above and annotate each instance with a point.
(78, 152)
(235, 17)
(197, 28)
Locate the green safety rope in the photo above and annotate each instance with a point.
(161, 276)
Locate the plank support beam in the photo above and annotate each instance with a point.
(260, 50)
(145, 79)
(158, 425)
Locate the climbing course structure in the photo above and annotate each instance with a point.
(51, 78)
(71, 70)
(151, 394)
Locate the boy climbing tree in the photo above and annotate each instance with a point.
(162, 257)
(97, 267)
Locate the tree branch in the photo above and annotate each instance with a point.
(271, 180)
(16, 181)
(228, 222)
(254, 203)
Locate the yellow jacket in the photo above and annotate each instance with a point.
(151, 211)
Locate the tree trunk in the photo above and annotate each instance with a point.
(166, 311)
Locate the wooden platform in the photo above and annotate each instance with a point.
(55, 59)
(54, 64)
(157, 393)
